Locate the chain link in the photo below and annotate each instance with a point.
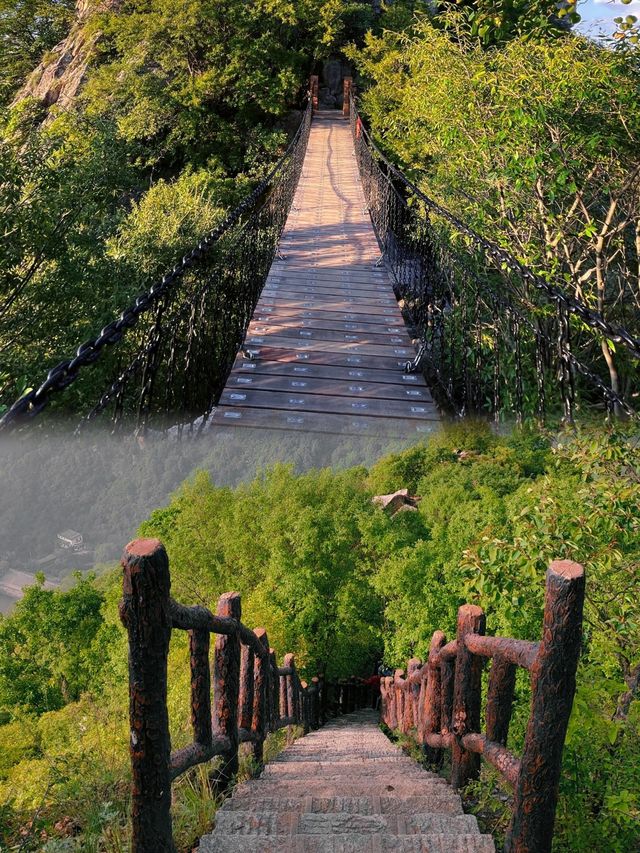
(436, 284)
(251, 208)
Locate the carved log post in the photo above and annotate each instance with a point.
(384, 702)
(259, 721)
(467, 697)
(275, 691)
(411, 696)
(502, 682)
(399, 684)
(553, 682)
(304, 704)
(144, 611)
(346, 96)
(245, 698)
(322, 699)
(291, 709)
(226, 688)
(199, 641)
(432, 710)
(447, 674)
(314, 701)
(283, 697)
(392, 722)
(313, 92)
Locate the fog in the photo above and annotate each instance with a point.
(101, 486)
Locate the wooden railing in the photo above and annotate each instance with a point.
(440, 702)
(252, 695)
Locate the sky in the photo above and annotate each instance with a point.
(598, 15)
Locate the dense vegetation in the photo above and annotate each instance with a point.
(335, 578)
(183, 106)
(531, 137)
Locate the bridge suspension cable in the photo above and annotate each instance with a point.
(169, 352)
(495, 334)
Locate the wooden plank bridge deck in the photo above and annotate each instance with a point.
(327, 340)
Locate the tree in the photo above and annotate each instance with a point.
(47, 656)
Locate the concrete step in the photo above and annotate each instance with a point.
(341, 787)
(296, 823)
(222, 843)
(443, 802)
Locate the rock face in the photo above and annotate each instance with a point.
(59, 77)
(330, 93)
(345, 789)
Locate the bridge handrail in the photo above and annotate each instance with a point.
(253, 696)
(65, 372)
(439, 701)
(433, 280)
(594, 319)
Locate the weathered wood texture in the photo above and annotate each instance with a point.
(252, 696)
(444, 713)
(327, 340)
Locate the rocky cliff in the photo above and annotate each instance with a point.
(59, 77)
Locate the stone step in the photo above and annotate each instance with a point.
(443, 802)
(296, 823)
(340, 788)
(318, 770)
(222, 843)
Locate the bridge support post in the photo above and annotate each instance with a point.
(467, 697)
(553, 678)
(432, 719)
(346, 96)
(259, 720)
(226, 688)
(145, 613)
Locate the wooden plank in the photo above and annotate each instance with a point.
(355, 388)
(339, 358)
(326, 371)
(324, 423)
(304, 402)
(346, 347)
(330, 320)
(265, 330)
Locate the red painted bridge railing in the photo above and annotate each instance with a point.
(440, 702)
(252, 695)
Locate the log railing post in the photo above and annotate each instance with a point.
(260, 697)
(199, 642)
(313, 92)
(411, 696)
(274, 710)
(226, 688)
(346, 96)
(245, 698)
(304, 704)
(553, 677)
(398, 680)
(502, 682)
(314, 702)
(467, 697)
(432, 710)
(144, 611)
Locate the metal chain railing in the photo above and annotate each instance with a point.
(494, 334)
(177, 341)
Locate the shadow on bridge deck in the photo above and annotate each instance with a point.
(327, 344)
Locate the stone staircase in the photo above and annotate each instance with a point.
(345, 789)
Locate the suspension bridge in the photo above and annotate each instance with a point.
(301, 309)
(327, 345)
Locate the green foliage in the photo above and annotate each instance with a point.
(335, 579)
(47, 653)
(28, 28)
